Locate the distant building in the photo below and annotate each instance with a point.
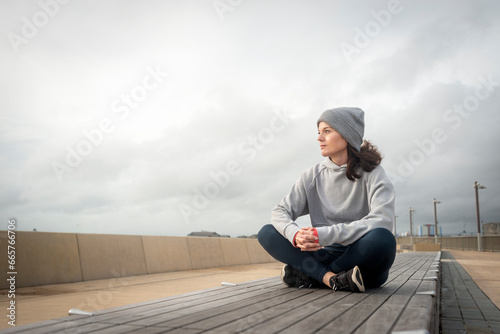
(207, 234)
(253, 236)
(427, 230)
(491, 229)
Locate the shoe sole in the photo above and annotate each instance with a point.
(283, 275)
(358, 279)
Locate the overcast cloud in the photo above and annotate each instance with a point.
(167, 117)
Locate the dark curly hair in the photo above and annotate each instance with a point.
(366, 159)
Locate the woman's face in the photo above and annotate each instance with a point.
(332, 144)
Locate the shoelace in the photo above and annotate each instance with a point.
(338, 284)
(305, 285)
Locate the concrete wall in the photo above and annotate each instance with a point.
(426, 247)
(105, 256)
(52, 258)
(164, 254)
(489, 243)
(41, 258)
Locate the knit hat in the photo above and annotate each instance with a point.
(349, 122)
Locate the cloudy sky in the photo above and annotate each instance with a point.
(167, 117)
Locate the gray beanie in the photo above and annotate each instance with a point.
(349, 122)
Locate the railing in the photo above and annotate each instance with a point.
(489, 243)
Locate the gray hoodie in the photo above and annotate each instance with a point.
(341, 210)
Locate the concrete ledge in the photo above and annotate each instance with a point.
(164, 254)
(50, 258)
(235, 251)
(108, 256)
(42, 258)
(427, 247)
(205, 252)
(256, 253)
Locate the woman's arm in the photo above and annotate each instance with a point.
(291, 207)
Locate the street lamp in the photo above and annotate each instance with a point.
(411, 225)
(478, 186)
(435, 221)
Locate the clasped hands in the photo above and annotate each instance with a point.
(306, 239)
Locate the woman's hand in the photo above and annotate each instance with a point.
(306, 240)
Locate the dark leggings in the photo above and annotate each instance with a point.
(373, 253)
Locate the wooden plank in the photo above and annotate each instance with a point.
(212, 312)
(321, 300)
(265, 282)
(32, 326)
(203, 311)
(152, 316)
(54, 326)
(418, 315)
(412, 263)
(194, 301)
(406, 267)
(72, 327)
(348, 321)
(125, 311)
(267, 306)
(267, 316)
(182, 331)
(384, 318)
(360, 313)
(426, 286)
(422, 311)
(428, 260)
(115, 329)
(250, 314)
(317, 320)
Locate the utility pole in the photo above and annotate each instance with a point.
(411, 226)
(478, 186)
(435, 221)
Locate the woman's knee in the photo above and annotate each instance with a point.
(266, 234)
(376, 250)
(382, 239)
(381, 233)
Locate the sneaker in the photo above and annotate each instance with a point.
(348, 281)
(293, 278)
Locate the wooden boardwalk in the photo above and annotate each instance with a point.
(407, 302)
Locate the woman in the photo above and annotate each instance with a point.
(350, 201)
